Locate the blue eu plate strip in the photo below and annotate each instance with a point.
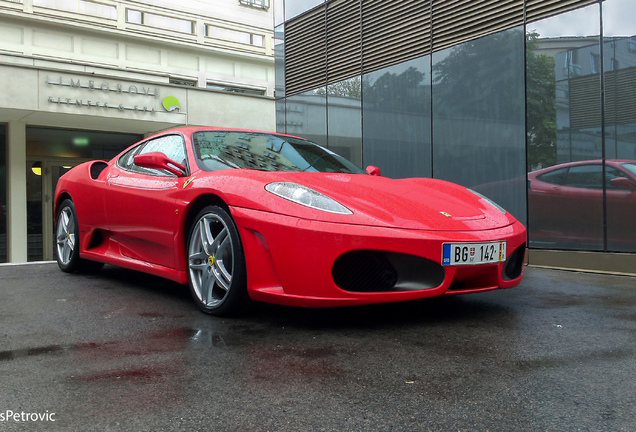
(446, 251)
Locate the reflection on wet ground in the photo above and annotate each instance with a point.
(124, 351)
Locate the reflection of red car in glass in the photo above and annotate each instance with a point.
(566, 204)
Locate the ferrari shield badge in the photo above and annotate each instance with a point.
(187, 182)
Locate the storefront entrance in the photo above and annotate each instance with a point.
(51, 153)
(42, 177)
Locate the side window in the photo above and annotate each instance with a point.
(585, 176)
(170, 145)
(126, 160)
(612, 173)
(554, 177)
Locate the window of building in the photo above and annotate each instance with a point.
(299, 109)
(163, 22)
(183, 82)
(396, 109)
(234, 89)
(261, 4)
(87, 7)
(344, 118)
(619, 135)
(565, 125)
(297, 7)
(279, 60)
(234, 35)
(478, 114)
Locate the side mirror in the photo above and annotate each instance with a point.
(373, 170)
(160, 161)
(623, 183)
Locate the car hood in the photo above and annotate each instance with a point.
(415, 203)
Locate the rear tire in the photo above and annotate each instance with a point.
(216, 263)
(67, 242)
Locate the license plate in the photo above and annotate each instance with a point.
(473, 253)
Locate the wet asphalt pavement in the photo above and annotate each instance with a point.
(125, 351)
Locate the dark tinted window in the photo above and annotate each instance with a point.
(585, 176)
(554, 177)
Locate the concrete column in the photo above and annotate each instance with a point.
(16, 192)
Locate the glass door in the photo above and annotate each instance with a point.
(42, 177)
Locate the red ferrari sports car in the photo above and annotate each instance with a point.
(242, 214)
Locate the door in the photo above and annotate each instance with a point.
(140, 203)
(42, 177)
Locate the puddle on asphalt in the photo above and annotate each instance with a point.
(172, 339)
(48, 349)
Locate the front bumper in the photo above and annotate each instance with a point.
(294, 261)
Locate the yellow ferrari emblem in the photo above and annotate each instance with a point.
(187, 182)
(211, 260)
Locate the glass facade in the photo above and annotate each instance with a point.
(345, 138)
(397, 119)
(581, 123)
(293, 8)
(479, 117)
(306, 115)
(540, 117)
(619, 72)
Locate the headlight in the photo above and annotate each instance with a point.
(485, 198)
(306, 196)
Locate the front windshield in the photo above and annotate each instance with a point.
(265, 151)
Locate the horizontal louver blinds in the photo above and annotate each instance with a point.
(343, 39)
(394, 31)
(620, 99)
(538, 9)
(305, 52)
(585, 102)
(366, 35)
(456, 21)
(620, 96)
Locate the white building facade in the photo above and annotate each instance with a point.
(83, 79)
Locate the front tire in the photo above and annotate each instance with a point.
(67, 242)
(216, 263)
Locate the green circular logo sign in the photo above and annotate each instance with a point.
(171, 103)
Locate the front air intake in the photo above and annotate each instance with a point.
(377, 271)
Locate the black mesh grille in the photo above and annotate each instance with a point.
(376, 270)
(364, 271)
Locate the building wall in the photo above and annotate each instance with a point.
(479, 94)
(118, 69)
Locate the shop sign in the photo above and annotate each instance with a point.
(107, 88)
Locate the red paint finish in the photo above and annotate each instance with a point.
(137, 217)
